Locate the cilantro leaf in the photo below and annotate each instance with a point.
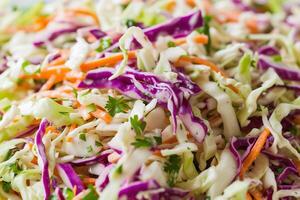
(137, 125)
(205, 29)
(130, 23)
(82, 137)
(68, 194)
(142, 142)
(171, 167)
(6, 186)
(92, 194)
(116, 105)
(104, 44)
(171, 44)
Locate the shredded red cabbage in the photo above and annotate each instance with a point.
(68, 174)
(41, 151)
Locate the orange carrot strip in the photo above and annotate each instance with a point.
(170, 5)
(34, 160)
(79, 11)
(297, 119)
(255, 151)
(251, 24)
(199, 61)
(191, 3)
(248, 196)
(107, 61)
(49, 83)
(171, 140)
(40, 23)
(257, 195)
(113, 157)
(69, 139)
(200, 39)
(101, 114)
(297, 163)
(88, 181)
(157, 153)
(75, 189)
(211, 65)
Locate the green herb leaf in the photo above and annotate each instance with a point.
(98, 144)
(116, 105)
(15, 168)
(82, 136)
(119, 169)
(158, 139)
(171, 167)
(142, 142)
(68, 194)
(130, 23)
(104, 44)
(137, 125)
(89, 149)
(205, 29)
(171, 44)
(92, 194)
(6, 186)
(277, 58)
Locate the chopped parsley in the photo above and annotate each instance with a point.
(6, 186)
(277, 58)
(82, 137)
(171, 44)
(119, 169)
(116, 105)
(171, 167)
(92, 194)
(157, 139)
(130, 23)
(205, 29)
(89, 149)
(68, 194)
(98, 144)
(104, 44)
(15, 168)
(137, 125)
(142, 142)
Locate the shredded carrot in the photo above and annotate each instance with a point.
(59, 61)
(297, 163)
(75, 189)
(107, 61)
(101, 114)
(69, 139)
(79, 11)
(51, 128)
(157, 153)
(113, 157)
(88, 181)
(72, 127)
(297, 119)
(228, 16)
(200, 39)
(40, 23)
(170, 5)
(30, 145)
(34, 160)
(49, 83)
(256, 194)
(170, 140)
(191, 3)
(255, 151)
(202, 61)
(248, 196)
(199, 61)
(251, 24)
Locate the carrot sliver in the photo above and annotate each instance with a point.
(49, 83)
(256, 194)
(34, 160)
(255, 151)
(200, 39)
(200, 61)
(101, 114)
(297, 163)
(191, 3)
(107, 61)
(248, 196)
(88, 181)
(79, 11)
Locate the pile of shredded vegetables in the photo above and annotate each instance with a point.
(150, 100)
